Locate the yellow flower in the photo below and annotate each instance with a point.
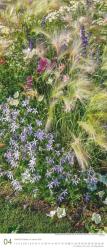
(14, 102)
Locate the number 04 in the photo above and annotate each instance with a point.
(7, 241)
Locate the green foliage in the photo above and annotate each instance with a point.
(54, 54)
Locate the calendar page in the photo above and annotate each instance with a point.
(53, 124)
(53, 241)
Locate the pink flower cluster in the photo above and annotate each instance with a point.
(43, 64)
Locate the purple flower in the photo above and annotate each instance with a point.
(70, 158)
(13, 163)
(14, 126)
(49, 147)
(84, 39)
(62, 160)
(49, 160)
(14, 114)
(40, 135)
(9, 175)
(23, 136)
(34, 144)
(50, 137)
(53, 184)
(91, 177)
(30, 129)
(25, 103)
(8, 155)
(31, 44)
(32, 163)
(29, 110)
(23, 153)
(57, 152)
(58, 169)
(16, 155)
(30, 148)
(16, 185)
(92, 180)
(75, 180)
(6, 109)
(62, 196)
(86, 197)
(48, 173)
(39, 123)
(13, 143)
(36, 178)
(42, 65)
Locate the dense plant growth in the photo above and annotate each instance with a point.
(53, 91)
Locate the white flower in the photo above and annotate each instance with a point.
(28, 53)
(52, 213)
(14, 102)
(16, 94)
(61, 212)
(105, 201)
(96, 218)
(50, 81)
(101, 194)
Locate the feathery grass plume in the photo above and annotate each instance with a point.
(60, 40)
(95, 118)
(35, 7)
(46, 6)
(56, 96)
(18, 11)
(80, 152)
(80, 89)
(88, 127)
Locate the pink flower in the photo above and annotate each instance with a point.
(65, 78)
(43, 65)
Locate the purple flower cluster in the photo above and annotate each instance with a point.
(62, 196)
(43, 64)
(35, 152)
(86, 197)
(91, 179)
(40, 135)
(84, 39)
(53, 184)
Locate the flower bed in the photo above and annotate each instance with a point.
(53, 89)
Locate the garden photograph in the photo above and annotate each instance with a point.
(53, 116)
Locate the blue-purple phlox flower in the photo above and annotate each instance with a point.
(39, 123)
(62, 196)
(53, 184)
(58, 169)
(40, 135)
(49, 147)
(86, 197)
